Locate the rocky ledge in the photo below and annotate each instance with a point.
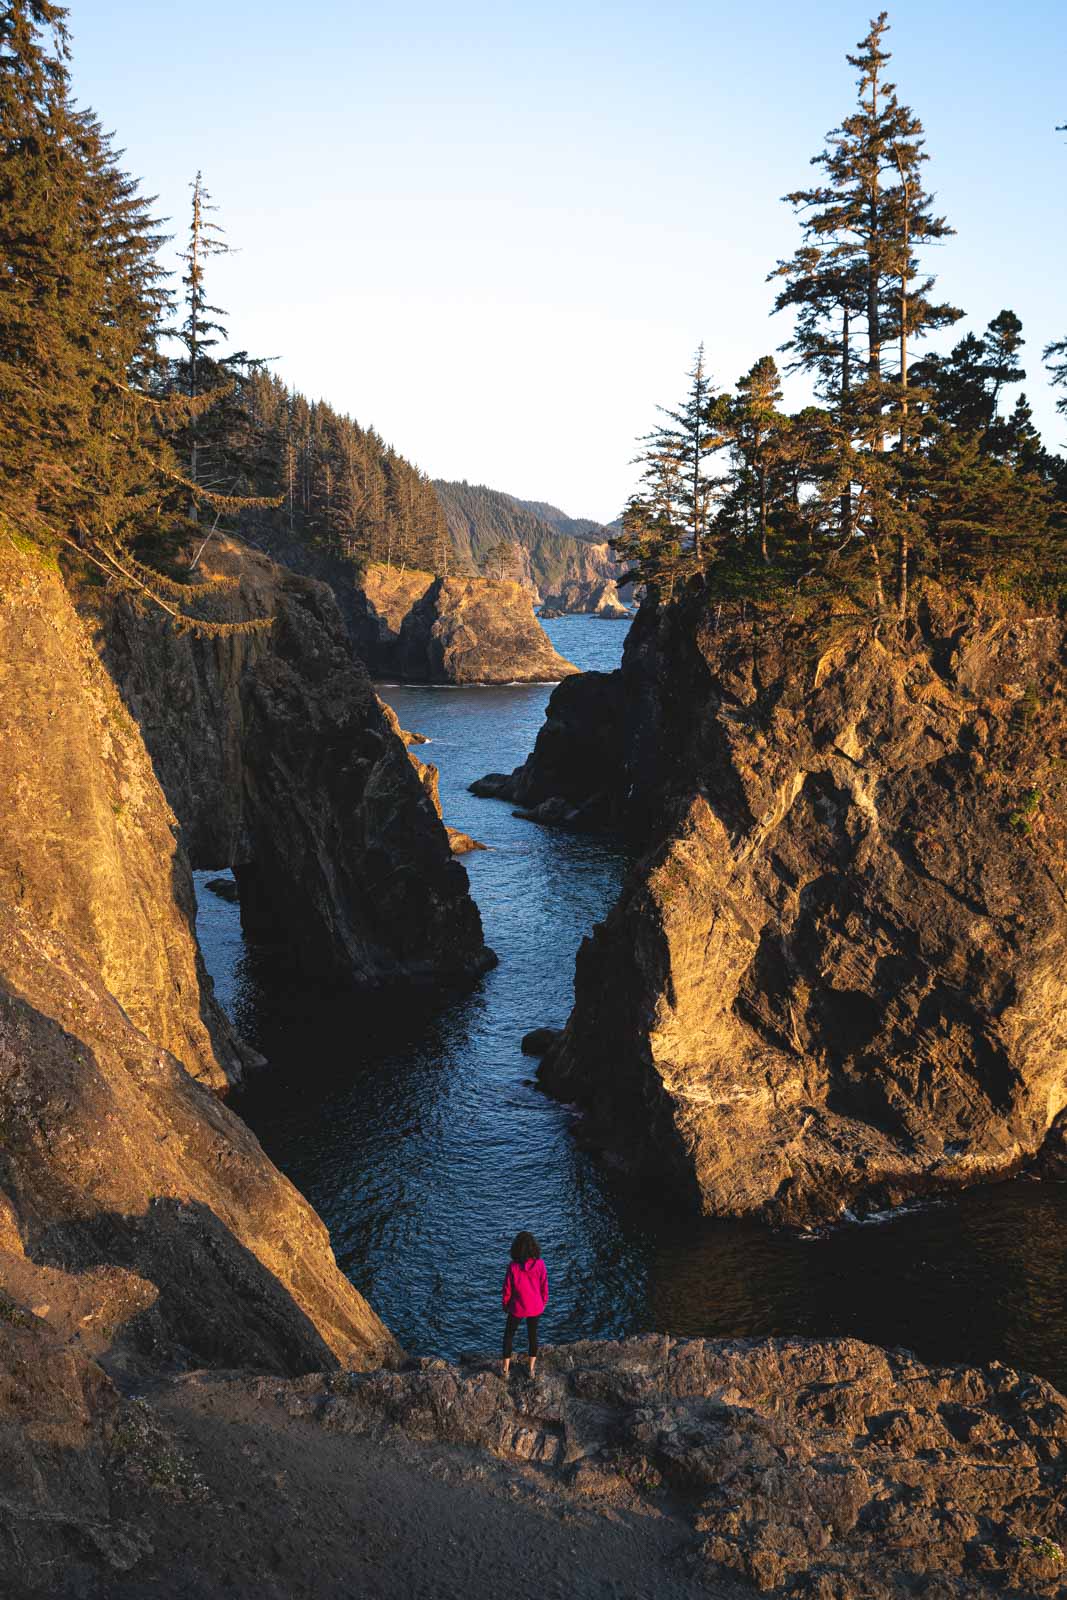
(827, 1469)
(838, 975)
(823, 1470)
(426, 629)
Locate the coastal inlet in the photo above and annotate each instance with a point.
(414, 1128)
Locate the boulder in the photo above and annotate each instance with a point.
(538, 1040)
(462, 844)
(225, 888)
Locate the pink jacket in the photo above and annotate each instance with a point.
(525, 1288)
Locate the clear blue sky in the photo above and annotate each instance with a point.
(497, 232)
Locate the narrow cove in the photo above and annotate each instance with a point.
(414, 1128)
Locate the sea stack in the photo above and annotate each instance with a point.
(837, 976)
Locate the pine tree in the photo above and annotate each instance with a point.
(862, 227)
(666, 524)
(82, 443)
(755, 428)
(677, 456)
(964, 389)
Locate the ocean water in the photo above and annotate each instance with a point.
(414, 1127)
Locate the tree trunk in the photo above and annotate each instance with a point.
(905, 273)
(846, 391)
(763, 514)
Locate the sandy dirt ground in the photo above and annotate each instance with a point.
(283, 1510)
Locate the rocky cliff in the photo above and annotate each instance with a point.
(460, 843)
(414, 626)
(598, 598)
(276, 756)
(87, 844)
(137, 1214)
(838, 975)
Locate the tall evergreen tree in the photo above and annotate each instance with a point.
(863, 225)
(81, 443)
(666, 524)
(755, 428)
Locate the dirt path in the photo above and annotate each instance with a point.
(384, 1520)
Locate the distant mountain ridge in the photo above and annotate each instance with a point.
(552, 549)
(577, 527)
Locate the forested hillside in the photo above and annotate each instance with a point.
(342, 487)
(126, 426)
(500, 536)
(580, 527)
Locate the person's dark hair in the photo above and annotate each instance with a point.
(524, 1247)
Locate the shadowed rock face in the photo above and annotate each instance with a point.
(452, 630)
(459, 843)
(839, 974)
(807, 1468)
(274, 751)
(137, 1210)
(574, 776)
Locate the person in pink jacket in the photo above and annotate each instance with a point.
(525, 1295)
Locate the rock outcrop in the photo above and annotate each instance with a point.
(574, 776)
(791, 1468)
(138, 1215)
(275, 754)
(425, 629)
(807, 1468)
(460, 843)
(597, 598)
(838, 976)
(87, 842)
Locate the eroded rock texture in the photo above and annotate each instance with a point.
(590, 597)
(839, 974)
(827, 1469)
(137, 1213)
(414, 626)
(274, 751)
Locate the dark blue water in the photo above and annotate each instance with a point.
(415, 1129)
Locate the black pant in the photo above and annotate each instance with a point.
(509, 1333)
